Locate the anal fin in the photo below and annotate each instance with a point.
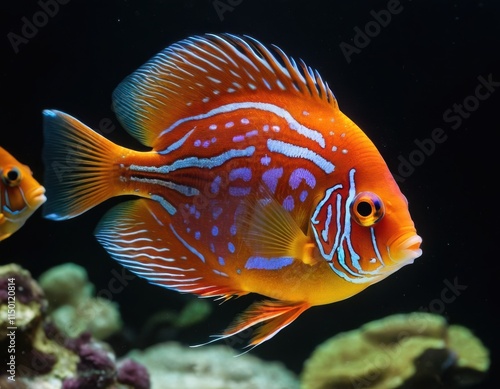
(141, 236)
(271, 316)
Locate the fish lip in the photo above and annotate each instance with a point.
(37, 197)
(405, 247)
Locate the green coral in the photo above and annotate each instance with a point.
(72, 306)
(400, 351)
(98, 316)
(65, 284)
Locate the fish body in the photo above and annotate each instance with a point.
(255, 182)
(20, 194)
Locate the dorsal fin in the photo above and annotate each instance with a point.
(202, 73)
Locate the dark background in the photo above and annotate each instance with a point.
(397, 88)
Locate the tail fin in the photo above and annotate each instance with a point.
(78, 166)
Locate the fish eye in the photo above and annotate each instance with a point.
(11, 176)
(367, 209)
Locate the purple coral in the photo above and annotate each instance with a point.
(27, 290)
(95, 370)
(133, 374)
(93, 357)
(75, 344)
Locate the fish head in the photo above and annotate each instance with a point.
(382, 221)
(20, 194)
(362, 224)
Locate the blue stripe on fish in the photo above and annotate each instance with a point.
(244, 173)
(293, 124)
(187, 245)
(299, 175)
(262, 263)
(271, 177)
(184, 189)
(329, 213)
(294, 151)
(289, 203)
(190, 162)
(238, 191)
(342, 241)
(164, 203)
(174, 146)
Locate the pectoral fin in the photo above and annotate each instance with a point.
(272, 232)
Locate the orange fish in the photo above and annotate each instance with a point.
(20, 194)
(255, 182)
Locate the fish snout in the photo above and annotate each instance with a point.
(37, 197)
(405, 248)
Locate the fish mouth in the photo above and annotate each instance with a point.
(37, 197)
(405, 247)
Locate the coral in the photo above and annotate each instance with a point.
(72, 305)
(97, 368)
(195, 311)
(44, 357)
(65, 284)
(98, 316)
(29, 350)
(27, 290)
(172, 365)
(134, 374)
(409, 351)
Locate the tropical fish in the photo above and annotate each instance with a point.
(20, 194)
(255, 181)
